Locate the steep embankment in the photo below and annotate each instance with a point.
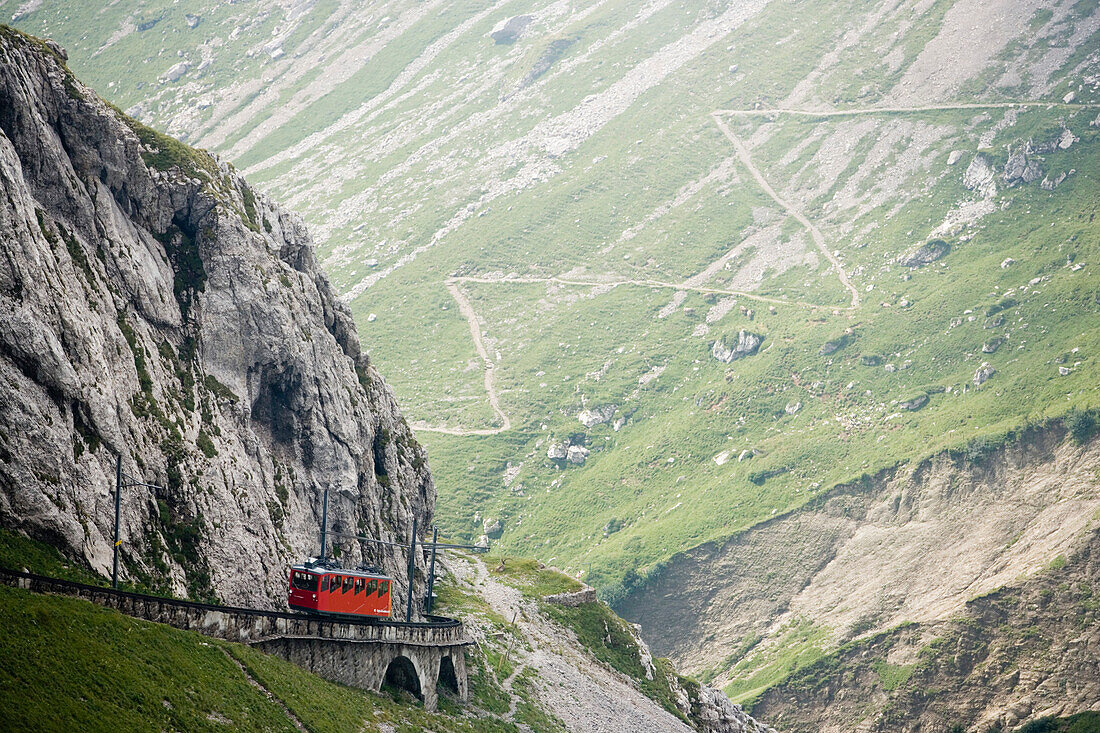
(913, 544)
(1019, 653)
(155, 306)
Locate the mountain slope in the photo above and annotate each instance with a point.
(634, 231)
(156, 307)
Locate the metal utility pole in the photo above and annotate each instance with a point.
(324, 524)
(118, 510)
(431, 570)
(119, 486)
(412, 571)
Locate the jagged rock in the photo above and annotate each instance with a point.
(722, 458)
(572, 599)
(833, 345)
(192, 20)
(890, 368)
(991, 346)
(597, 416)
(175, 73)
(994, 322)
(954, 156)
(576, 454)
(557, 451)
(511, 30)
(926, 254)
(482, 541)
(1064, 371)
(745, 455)
(983, 373)
(492, 528)
(1047, 184)
(1066, 139)
(792, 407)
(1021, 168)
(143, 313)
(56, 48)
(914, 403)
(979, 175)
(1007, 262)
(747, 344)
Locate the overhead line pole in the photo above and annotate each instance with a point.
(119, 486)
(431, 569)
(412, 571)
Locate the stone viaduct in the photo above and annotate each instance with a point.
(416, 656)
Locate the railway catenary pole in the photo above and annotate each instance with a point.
(412, 571)
(431, 570)
(324, 524)
(118, 509)
(119, 486)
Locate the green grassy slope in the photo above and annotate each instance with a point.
(70, 665)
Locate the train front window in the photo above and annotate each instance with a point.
(303, 581)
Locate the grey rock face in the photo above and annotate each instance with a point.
(153, 305)
(983, 373)
(926, 254)
(596, 416)
(747, 345)
(914, 403)
(979, 175)
(1021, 168)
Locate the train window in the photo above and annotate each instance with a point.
(358, 585)
(347, 583)
(383, 588)
(371, 585)
(303, 581)
(324, 584)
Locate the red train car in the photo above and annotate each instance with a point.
(338, 592)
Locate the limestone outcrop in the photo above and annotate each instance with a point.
(154, 306)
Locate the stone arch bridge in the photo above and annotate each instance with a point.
(420, 657)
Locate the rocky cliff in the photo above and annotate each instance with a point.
(154, 306)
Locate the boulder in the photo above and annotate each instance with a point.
(926, 254)
(492, 527)
(983, 373)
(979, 174)
(914, 403)
(1021, 169)
(576, 454)
(557, 451)
(597, 416)
(747, 344)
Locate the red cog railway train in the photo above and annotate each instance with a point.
(334, 591)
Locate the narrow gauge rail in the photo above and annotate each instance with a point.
(44, 583)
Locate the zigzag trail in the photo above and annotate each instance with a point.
(742, 151)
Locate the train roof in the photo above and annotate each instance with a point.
(321, 569)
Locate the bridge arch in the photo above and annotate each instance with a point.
(448, 679)
(401, 672)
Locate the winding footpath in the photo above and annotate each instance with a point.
(745, 158)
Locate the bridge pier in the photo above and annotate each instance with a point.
(421, 670)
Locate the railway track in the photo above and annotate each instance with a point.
(46, 584)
